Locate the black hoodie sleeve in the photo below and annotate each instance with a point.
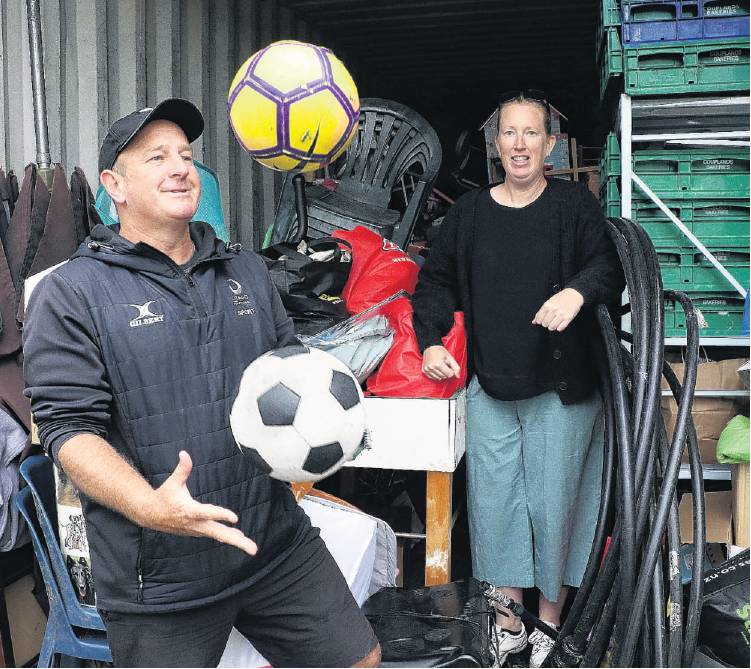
(63, 369)
(436, 296)
(600, 279)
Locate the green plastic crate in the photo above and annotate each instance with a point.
(609, 57)
(688, 269)
(610, 13)
(610, 162)
(722, 222)
(708, 173)
(700, 66)
(723, 313)
(717, 223)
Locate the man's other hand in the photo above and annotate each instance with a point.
(558, 312)
(173, 510)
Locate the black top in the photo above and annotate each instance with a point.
(510, 279)
(584, 258)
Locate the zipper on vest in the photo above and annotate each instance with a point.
(194, 292)
(140, 577)
(193, 287)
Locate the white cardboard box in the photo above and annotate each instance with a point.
(417, 434)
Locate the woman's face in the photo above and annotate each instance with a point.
(522, 142)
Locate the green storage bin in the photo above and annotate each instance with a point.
(723, 313)
(611, 209)
(717, 223)
(687, 269)
(609, 56)
(711, 172)
(700, 66)
(610, 13)
(610, 162)
(719, 172)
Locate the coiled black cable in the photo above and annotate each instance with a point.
(629, 606)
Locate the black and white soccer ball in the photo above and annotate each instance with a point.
(299, 413)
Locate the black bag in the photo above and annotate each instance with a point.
(309, 288)
(437, 626)
(725, 611)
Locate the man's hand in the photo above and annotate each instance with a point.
(438, 364)
(172, 509)
(558, 312)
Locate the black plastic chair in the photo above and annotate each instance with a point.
(395, 155)
(72, 629)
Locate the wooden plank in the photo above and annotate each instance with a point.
(438, 528)
(574, 158)
(741, 482)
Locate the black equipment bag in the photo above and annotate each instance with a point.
(724, 627)
(438, 626)
(310, 288)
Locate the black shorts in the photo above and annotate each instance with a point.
(301, 615)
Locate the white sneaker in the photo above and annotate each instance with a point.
(541, 644)
(505, 642)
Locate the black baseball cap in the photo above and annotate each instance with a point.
(121, 132)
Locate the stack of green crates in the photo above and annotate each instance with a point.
(707, 188)
(608, 44)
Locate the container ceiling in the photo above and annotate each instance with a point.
(449, 59)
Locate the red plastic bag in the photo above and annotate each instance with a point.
(379, 269)
(400, 373)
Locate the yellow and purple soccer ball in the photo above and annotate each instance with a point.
(293, 106)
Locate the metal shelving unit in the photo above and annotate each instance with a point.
(685, 121)
(709, 341)
(712, 472)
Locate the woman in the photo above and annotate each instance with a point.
(526, 260)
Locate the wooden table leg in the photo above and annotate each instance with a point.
(438, 528)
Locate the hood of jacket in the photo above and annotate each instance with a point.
(106, 245)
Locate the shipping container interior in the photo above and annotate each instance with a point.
(450, 60)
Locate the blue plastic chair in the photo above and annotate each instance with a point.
(209, 206)
(37, 505)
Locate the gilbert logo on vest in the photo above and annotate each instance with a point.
(145, 315)
(240, 299)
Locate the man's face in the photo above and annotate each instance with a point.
(159, 182)
(522, 141)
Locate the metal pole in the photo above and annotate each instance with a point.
(37, 83)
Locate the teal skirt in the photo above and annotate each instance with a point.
(534, 473)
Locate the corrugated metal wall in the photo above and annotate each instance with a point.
(105, 58)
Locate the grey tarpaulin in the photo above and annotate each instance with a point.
(361, 342)
(12, 442)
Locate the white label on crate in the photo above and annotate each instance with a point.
(723, 10)
(718, 163)
(729, 56)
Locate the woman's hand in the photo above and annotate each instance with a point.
(438, 364)
(558, 312)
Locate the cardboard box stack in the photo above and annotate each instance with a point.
(711, 415)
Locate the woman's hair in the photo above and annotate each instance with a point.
(521, 96)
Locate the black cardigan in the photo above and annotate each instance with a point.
(584, 258)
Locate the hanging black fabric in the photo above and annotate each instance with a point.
(85, 216)
(6, 205)
(309, 287)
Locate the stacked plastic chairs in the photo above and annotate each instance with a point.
(72, 629)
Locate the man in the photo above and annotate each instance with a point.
(133, 353)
